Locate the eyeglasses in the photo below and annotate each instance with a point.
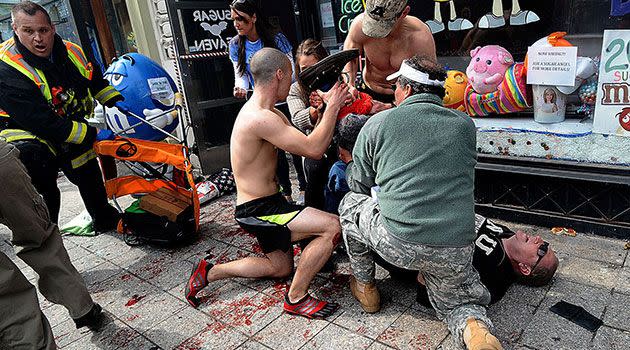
(542, 251)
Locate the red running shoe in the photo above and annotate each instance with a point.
(310, 307)
(197, 281)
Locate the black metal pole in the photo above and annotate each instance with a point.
(80, 22)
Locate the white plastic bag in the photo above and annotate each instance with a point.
(81, 225)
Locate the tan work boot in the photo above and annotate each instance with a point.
(366, 294)
(478, 337)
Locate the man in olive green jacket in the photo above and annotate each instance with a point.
(411, 179)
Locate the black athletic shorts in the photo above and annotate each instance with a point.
(362, 87)
(267, 218)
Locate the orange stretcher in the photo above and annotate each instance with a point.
(154, 165)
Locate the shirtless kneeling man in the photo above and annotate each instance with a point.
(259, 130)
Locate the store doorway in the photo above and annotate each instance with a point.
(202, 31)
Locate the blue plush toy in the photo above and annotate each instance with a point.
(148, 91)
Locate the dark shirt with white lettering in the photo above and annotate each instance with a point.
(489, 259)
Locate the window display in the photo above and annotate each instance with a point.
(60, 13)
(489, 41)
(612, 109)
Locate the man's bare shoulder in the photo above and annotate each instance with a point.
(251, 116)
(258, 123)
(355, 33)
(419, 36)
(415, 26)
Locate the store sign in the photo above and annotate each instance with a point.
(612, 108)
(551, 65)
(207, 31)
(344, 12)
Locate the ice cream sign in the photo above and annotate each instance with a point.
(344, 12)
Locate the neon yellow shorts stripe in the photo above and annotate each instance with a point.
(280, 219)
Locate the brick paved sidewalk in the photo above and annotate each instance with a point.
(141, 290)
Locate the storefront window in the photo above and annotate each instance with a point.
(117, 17)
(60, 13)
(581, 19)
(568, 130)
(126, 36)
(514, 30)
(335, 19)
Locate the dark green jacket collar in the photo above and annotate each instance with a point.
(422, 98)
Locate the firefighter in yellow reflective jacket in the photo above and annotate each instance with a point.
(47, 90)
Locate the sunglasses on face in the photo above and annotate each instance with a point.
(542, 251)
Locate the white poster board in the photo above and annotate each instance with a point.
(160, 88)
(328, 21)
(551, 65)
(612, 108)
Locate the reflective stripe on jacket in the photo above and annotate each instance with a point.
(11, 56)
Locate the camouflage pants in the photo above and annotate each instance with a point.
(453, 285)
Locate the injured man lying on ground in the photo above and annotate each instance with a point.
(502, 257)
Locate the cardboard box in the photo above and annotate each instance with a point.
(169, 194)
(165, 202)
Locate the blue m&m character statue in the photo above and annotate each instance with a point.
(148, 91)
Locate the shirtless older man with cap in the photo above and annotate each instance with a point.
(385, 35)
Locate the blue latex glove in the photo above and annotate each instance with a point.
(105, 135)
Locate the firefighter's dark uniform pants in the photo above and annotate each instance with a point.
(38, 243)
(42, 166)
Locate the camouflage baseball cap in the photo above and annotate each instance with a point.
(380, 16)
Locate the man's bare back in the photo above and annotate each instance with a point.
(384, 56)
(260, 129)
(253, 158)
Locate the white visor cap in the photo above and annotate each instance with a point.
(414, 75)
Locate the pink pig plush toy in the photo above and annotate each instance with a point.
(496, 85)
(487, 67)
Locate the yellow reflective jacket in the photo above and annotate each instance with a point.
(78, 132)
